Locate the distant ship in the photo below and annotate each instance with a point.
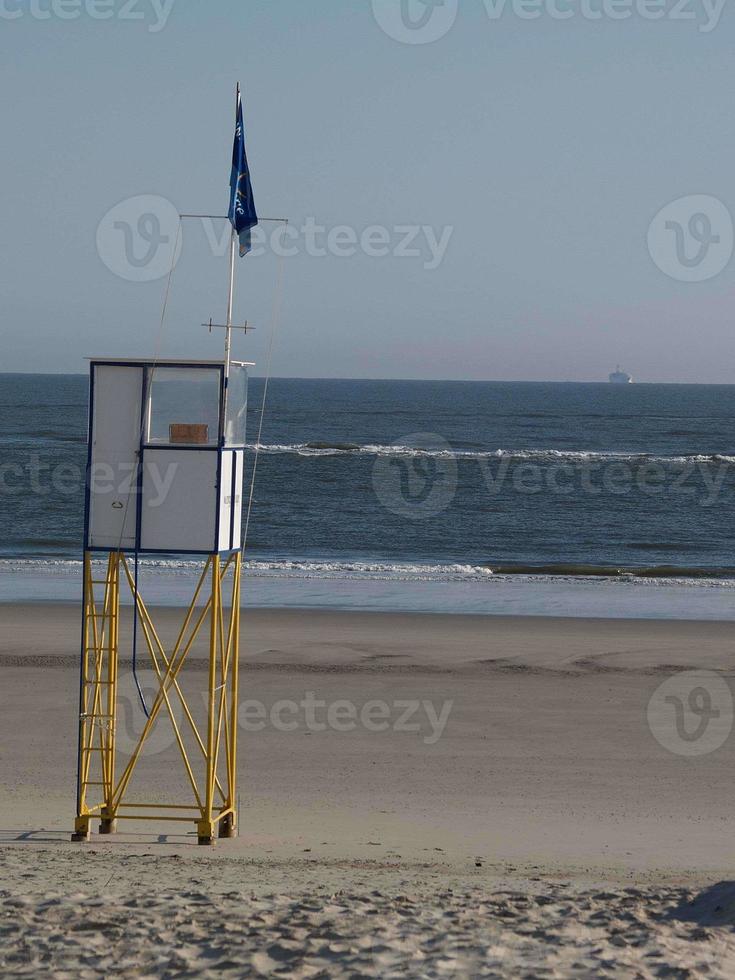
(619, 377)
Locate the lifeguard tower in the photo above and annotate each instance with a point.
(164, 477)
(184, 419)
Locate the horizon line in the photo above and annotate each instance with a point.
(529, 381)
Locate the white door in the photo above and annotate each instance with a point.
(116, 410)
(179, 500)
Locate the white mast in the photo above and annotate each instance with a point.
(230, 291)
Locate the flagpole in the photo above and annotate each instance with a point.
(230, 293)
(230, 298)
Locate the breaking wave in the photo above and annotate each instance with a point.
(387, 571)
(579, 457)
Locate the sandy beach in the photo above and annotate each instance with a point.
(508, 794)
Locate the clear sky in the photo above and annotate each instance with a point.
(543, 147)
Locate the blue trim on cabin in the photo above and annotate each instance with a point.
(232, 500)
(222, 409)
(88, 474)
(218, 484)
(105, 549)
(188, 447)
(160, 366)
(195, 446)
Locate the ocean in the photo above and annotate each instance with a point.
(463, 496)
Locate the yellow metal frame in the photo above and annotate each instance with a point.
(214, 809)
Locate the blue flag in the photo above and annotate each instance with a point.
(242, 206)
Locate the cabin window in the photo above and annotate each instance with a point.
(183, 406)
(237, 406)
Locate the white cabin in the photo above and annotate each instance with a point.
(166, 455)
